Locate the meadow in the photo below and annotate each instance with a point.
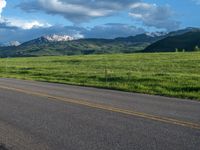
(168, 74)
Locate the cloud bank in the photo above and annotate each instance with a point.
(113, 30)
(100, 31)
(78, 10)
(23, 24)
(154, 16)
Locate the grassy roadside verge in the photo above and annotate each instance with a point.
(169, 74)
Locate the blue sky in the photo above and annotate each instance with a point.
(24, 20)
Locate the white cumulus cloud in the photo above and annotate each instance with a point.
(2, 5)
(24, 24)
(6, 22)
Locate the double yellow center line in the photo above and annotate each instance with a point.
(109, 108)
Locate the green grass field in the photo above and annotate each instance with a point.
(169, 74)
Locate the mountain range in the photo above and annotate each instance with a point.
(66, 45)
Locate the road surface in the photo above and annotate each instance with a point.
(47, 116)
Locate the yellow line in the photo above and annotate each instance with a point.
(110, 108)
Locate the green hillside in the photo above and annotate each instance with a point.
(187, 42)
(76, 47)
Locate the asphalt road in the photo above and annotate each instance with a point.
(47, 116)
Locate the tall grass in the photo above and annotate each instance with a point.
(169, 74)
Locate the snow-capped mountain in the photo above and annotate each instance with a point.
(49, 39)
(58, 38)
